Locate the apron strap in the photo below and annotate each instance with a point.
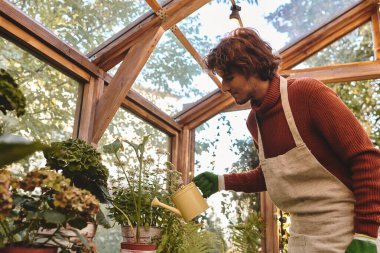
(288, 112)
(260, 142)
(289, 118)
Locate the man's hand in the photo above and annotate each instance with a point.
(363, 243)
(207, 182)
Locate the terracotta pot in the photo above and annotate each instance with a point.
(28, 250)
(137, 248)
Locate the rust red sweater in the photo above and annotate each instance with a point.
(332, 133)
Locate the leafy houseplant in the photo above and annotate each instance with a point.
(38, 210)
(180, 237)
(246, 237)
(81, 163)
(133, 192)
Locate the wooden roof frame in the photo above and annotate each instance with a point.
(39, 41)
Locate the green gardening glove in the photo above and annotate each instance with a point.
(363, 244)
(207, 182)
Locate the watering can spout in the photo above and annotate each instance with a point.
(156, 202)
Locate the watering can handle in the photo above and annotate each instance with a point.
(156, 202)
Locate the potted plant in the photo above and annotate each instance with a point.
(81, 163)
(38, 211)
(246, 237)
(133, 191)
(187, 237)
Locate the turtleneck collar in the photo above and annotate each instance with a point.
(270, 99)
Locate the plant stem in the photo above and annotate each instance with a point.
(141, 165)
(52, 235)
(128, 181)
(7, 231)
(128, 220)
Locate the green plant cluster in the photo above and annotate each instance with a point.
(39, 207)
(246, 237)
(181, 237)
(81, 163)
(11, 97)
(133, 192)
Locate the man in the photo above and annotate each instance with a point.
(316, 161)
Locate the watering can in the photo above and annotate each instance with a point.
(188, 201)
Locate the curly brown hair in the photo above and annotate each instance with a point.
(243, 51)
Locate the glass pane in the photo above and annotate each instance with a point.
(223, 144)
(84, 24)
(51, 99)
(171, 79)
(363, 98)
(354, 47)
(163, 2)
(278, 22)
(126, 126)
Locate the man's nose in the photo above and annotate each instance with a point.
(225, 87)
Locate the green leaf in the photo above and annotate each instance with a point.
(78, 223)
(12, 152)
(113, 147)
(82, 238)
(54, 217)
(101, 219)
(31, 215)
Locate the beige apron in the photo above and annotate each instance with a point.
(321, 207)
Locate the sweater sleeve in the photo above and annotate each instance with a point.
(251, 181)
(339, 127)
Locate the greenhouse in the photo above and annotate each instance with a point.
(140, 126)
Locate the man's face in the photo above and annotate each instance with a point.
(241, 88)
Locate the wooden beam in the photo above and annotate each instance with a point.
(184, 154)
(90, 98)
(26, 31)
(181, 37)
(174, 150)
(327, 34)
(338, 73)
(191, 155)
(25, 40)
(268, 210)
(123, 81)
(212, 111)
(154, 5)
(376, 31)
(206, 99)
(204, 109)
(77, 114)
(114, 49)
